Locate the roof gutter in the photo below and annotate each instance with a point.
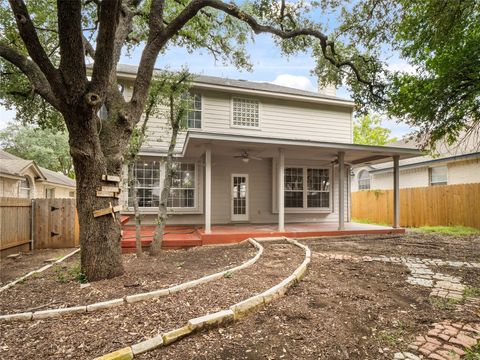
(430, 162)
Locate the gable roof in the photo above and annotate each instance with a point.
(206, 81)
(16, 166)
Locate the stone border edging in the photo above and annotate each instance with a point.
(58, 312)
(235, 312)
(43, 268)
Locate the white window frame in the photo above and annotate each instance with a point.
(360, 179)
(232, 125)
(246, 216)
(201, 112)
(29, 189)
(195, 188)
(305, 208)
(437, 183)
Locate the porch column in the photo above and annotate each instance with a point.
(281, 187)
(341, 190)
(396, 192)
(208, 190)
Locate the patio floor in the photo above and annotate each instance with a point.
(188, 236)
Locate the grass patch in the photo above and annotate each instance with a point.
(473, 353)
(448, 230)
(74, 273)
(444, 304)
(366, 221)
(391, 337)
(228, 274)
(471, 292)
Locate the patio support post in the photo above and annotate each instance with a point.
(281, 188)
(208, 190)
(396, 192)
(341, 190)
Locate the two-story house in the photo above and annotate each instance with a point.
(257, 154)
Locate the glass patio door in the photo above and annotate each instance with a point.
(239, 197)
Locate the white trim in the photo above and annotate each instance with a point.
(242, 217)
(233, 126)
(201, 110)
(305, 208)
(208, 190)
(281, 189)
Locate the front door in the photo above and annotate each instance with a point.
(239, 197)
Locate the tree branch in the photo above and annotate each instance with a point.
(32, 71)
(32, 43)
(104, 54)
(72, 57)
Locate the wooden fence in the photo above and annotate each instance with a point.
(54, 224)
(435, 205)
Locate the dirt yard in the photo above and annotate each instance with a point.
(343, 309)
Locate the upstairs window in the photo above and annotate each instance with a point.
(364, 180)
(194, 112)
(245, 113)
(438, 175)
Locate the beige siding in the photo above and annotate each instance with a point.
(278, 118)
(8, 187)
(261, 196)
(464, 172)
(459, 172)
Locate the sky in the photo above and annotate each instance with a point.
(269, 65)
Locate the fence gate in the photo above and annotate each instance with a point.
(55, 223)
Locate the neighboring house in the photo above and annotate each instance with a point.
(24, 179)
(454, 164)
(254, 153)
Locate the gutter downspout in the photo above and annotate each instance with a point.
(32, 217)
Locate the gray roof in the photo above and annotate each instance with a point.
(13, 165)
(244, 84)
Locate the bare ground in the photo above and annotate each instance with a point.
(13, 268)
(342, 309)
(59, 287)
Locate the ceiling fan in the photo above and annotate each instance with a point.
(245, 156)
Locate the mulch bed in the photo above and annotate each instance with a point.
(89, 335)
(341, 310)
(58, 286)
(13, 268)
(412, 244)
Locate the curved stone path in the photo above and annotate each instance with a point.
(58, 312)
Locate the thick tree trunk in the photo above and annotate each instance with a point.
(100, 237)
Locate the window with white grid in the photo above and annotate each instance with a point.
(182, 190)
(364, 180)
(307, 188)
(438, 175)
(294, 187)
(194, 113)
(245, 112)
(318, 188)
(147, 183)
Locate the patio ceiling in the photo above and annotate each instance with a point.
(230, 145)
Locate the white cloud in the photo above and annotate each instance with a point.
(5, 117)
(294, 81)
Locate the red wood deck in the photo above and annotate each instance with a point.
(188, 236)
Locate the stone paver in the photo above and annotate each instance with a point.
(445, 341)
(444, 286)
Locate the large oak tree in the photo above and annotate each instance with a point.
(45, 46)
